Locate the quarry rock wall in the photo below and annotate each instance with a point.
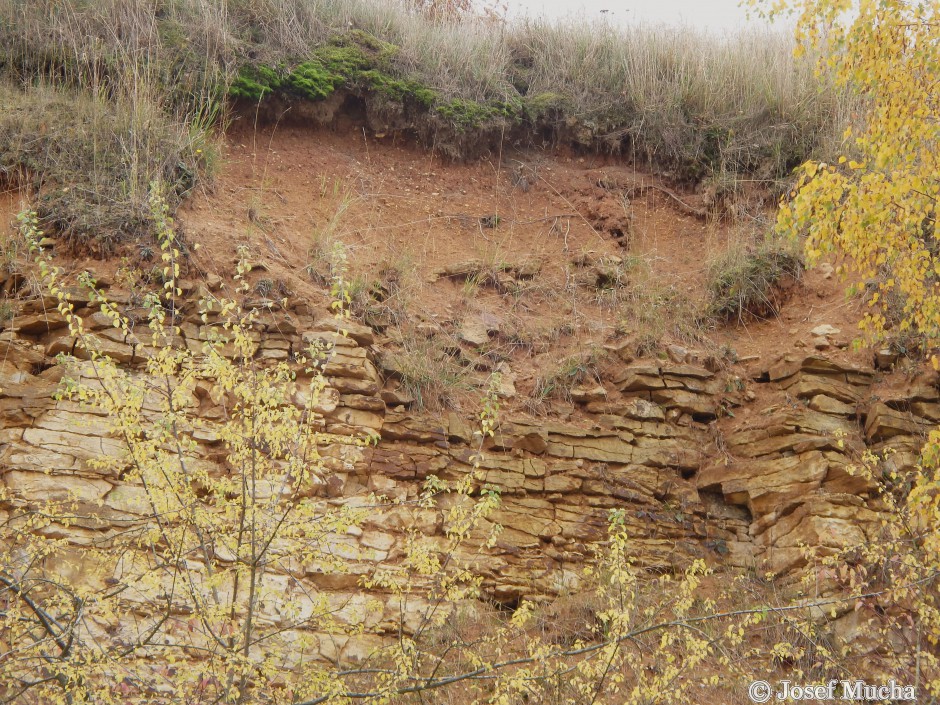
(699, 468)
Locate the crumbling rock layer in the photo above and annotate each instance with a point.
(695, 473)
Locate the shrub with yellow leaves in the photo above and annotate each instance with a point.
(875, 209)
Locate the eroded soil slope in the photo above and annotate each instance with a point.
(529, 262)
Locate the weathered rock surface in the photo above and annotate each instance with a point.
(749, 490)
(795, 466)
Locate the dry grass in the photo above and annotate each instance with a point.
(558, 381)
(99, 103)
(429, 369)
(655, 311)
(684, 99)
(747, 280)
(154, 78)
(93, 160)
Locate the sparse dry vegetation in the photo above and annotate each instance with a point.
(428, 369)
(747, 279)
(131, 91)
(557, 382)
(653, 313)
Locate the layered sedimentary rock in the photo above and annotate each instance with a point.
(654, 440)
(795, 462)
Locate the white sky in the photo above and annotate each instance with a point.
(705, 14)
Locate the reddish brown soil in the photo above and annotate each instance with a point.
(281, 190)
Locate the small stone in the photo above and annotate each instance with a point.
(38, 323)
(826, 270)
(335, 484)
(828, 405)
(885, 359)
(103, 281)
(359, 332)
(507, 382)
(213, 281)
(824, 330)
(397, 397)
(474, 332)
(491, 322)
(584, 395)
(381, 484)
(622, 349)
(677, 354)
(820, 343)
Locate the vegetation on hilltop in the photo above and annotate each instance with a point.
(141, 85)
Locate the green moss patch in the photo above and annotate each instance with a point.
(355, 60)
(469, 114)
(359, 61)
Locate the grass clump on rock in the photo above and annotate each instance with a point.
(748, 279)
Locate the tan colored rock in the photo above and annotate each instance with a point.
(806, 386)
(401, 518)
(474, 331)
(584, 395)
(507, 382)
(607, 449)
(825, 330)
(397, 397)
(753, 444)
(81, 446)
(861, 629)
(273, 354)
(691, 371)
(926, 410)
(885, 358)
(362, 334)
(884, 422)
(743, 481)
(828, 405)
(328, 339)
(39, 323)
(28, 457)
(686, 402)
(839, 479)
(791, 364)
(11, 374)
(562, 483)
(130, 499)
(678, 354)
(34, 486)
(402, 427)
(458, 430)
(640, 378)
(363, 403)
(59, 345)
(350, 385)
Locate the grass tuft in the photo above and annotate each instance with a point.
(558, 382)
(746, 280)
(93, 160)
